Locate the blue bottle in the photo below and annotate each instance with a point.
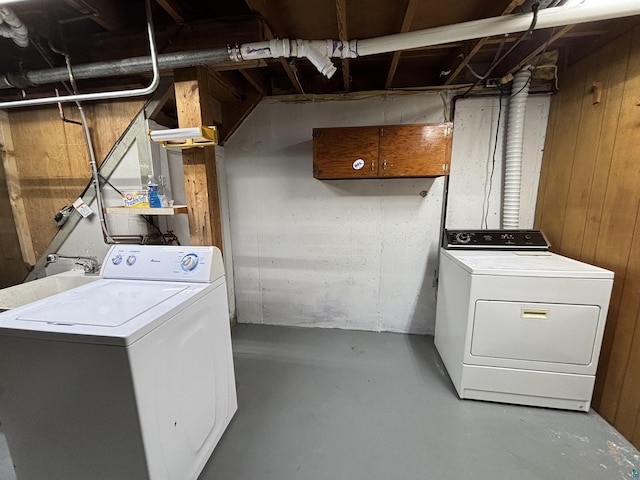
(152, 193)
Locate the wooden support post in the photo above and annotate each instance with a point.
(194, 107)
(15, 191)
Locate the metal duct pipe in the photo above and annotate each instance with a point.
(127, 66)
(13, 28)
(515, 145)
(135, 92)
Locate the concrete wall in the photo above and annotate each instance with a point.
(357, 254)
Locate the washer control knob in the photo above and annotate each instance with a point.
(117, 260)
(463, 237)
(131, 259)
(189, 262)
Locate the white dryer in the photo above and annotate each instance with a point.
(520, 326)
(128, 377)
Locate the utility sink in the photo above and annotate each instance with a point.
(24, 293)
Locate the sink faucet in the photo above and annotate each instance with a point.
(90, 264)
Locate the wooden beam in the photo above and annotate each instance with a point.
(465, 57)
(406, 25)
(15, 191)
(200, 175)
(258, 81)
(223, 89)
(274, 29)
(234, 113)
(103, 12)
(173, 9)
(231, 65)
(560, 33)
(341, 14)
(293, 77)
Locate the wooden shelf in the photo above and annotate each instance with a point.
(176, 209)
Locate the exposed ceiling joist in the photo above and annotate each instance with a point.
(223, 89)
(173, 9)
(261, 7)
(559, 34)
(102, 12)
(406, 25)
(258, 80)
(341, 14)
(463, 58)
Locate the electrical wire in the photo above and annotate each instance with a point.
(489, 181)
(535, 67)
(519, 40)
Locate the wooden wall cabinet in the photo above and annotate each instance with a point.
(389, 151)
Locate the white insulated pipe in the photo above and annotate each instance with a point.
(515, 147)
(487, 27)
(320, 51)
(13, 27)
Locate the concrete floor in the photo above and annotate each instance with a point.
(331, 404)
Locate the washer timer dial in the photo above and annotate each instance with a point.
(189, 262)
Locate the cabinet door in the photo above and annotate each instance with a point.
(350, 152)
(415, 150)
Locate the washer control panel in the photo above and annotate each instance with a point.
(495, 240)
(163, 262)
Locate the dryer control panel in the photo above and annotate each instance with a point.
(495, 240)
(163, 262)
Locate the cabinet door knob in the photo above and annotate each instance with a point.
(384, 164)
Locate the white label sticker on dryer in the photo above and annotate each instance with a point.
(358, 164)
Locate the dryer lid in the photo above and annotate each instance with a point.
(528, 264)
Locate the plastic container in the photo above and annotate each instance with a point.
(152, 193)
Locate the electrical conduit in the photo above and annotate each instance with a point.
(515, 143)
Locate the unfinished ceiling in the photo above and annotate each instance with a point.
(104, 30)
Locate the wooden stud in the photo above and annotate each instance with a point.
(258, 81)
(15, 191)
(343, 35)
(273, 29)
(173, 9)
(200, 174)
(406, 25)
(465, 57)
(527, 60)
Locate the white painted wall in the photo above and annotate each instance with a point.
(356, 254)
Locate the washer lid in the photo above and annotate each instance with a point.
(110, 304)
(519, 263)
(110, 312)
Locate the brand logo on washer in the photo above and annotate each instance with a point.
(153, 260)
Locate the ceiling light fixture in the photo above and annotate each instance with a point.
(185, 137)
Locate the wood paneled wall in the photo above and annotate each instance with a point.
(13, 268)
(588, 205)
(52, 162)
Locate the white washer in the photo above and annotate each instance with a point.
(127, 377)
(521, 327)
